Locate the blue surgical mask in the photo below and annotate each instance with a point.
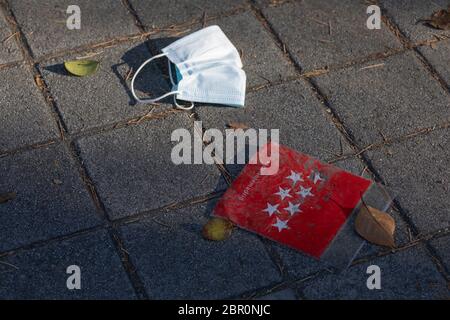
(208, 70)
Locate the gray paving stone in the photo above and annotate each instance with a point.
(24, 117)
(418, 171)
(441, 246)
(133, 170)
(41, 273)
(303, 27)
(353, 165)
(163, 13)
(297, 264)
(104, 97)
(395, 99)
(51, 200)
(263, 61)
(286, 294)
(9, 51)
(44, 24)
(175, 262)
(298, 115)
(407, 13)
(439, 58)
(408, 274)
(292, 109)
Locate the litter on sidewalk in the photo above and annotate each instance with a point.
(439, 19)
(208, 69)
(81, 68)
(307, 205)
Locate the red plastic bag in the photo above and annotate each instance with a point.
(303, 205)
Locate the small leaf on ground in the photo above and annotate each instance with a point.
(375, 226)
(5, 197)
(237, 125)
(81, 68)
(39, 81)
(439, 20)
(217, 229)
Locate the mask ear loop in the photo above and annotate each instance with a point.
(135, 76)
(174, 97)
(149, 100)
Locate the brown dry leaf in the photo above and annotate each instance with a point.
(237, 125)
(440, 19)
(5, 197)
(217, 229)
(39, 81)
(375, 226)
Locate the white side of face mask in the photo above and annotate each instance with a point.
(208, 44)
(220, 84)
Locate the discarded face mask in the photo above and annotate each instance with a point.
(208, 69)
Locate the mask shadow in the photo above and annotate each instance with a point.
(152, 81)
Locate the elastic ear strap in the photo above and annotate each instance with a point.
(179, 106)
(149, 100)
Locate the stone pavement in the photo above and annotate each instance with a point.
(92, 171)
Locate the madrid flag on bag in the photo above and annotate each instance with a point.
(303, 205)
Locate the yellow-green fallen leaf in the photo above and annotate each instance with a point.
(81, 68)
(375, 226)
(217, 229)
(5, 197)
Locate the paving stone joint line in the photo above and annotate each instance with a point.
(407, 43)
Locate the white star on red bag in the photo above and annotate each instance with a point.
(295, 177)
(317, 177)
(280, 224)
(271, 209)
(284, 193)
(305, 192)
(293, 208)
